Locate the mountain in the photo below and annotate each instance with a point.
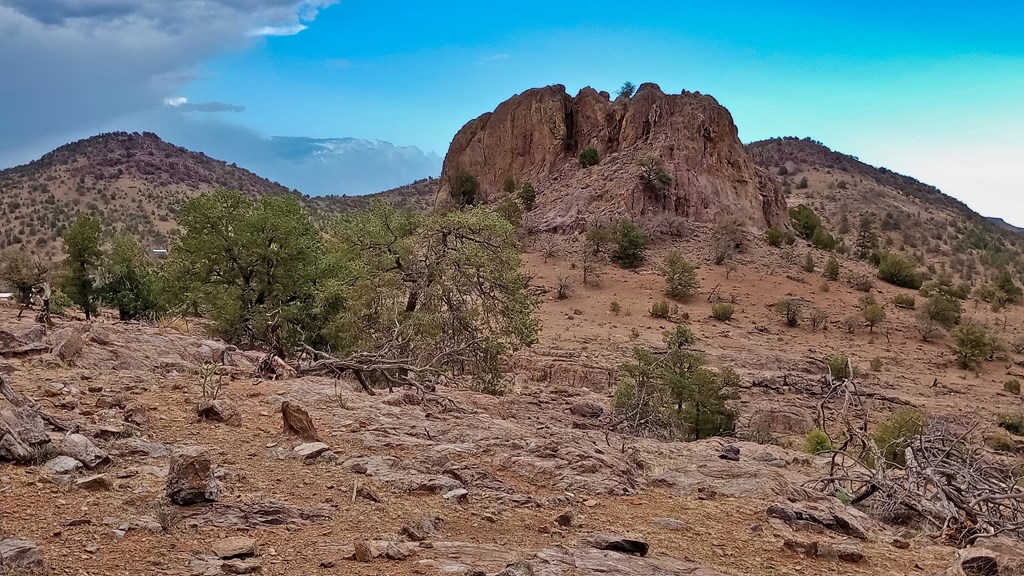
(537, 136)
(135, 183)
(938, 231)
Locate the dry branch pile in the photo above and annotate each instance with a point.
(936, 475)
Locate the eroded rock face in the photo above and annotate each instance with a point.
(536, 136)
(190, 479)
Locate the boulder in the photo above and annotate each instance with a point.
(82, 449)
(420, 529)
(220, 411)
(18, 340)
(586, 409)
(67, 344)
(190, 479)
(298, 422)
(808, 516)
(62, 465)
(26, 424)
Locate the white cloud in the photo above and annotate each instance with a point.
(79, 64)
(286, 30)
(176, 101)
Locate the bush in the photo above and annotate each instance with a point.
(905, 301)
(630, 244)
(681, 337)
(873, 316)
(660, 309)
(818, 318)
(1012, 423)
(862, 283)
(774, 236)
(589, 157)
(899, 271)
(722, 311)
(809, 263)
(528, 196)
(895, 434)
(805, 221)
(790, 310)
(615, 307)
(841, 367)
(943, 310)
(876, 364)
(1001, 442)
(824, 240)
(817, 441)
(973, 345)
(465, 188)
(1012, 386)
(831, 269)
(680, 276)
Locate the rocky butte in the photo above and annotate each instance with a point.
(537, 136)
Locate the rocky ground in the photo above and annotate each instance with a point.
(106, 467)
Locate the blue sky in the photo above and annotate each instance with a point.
(932, 89)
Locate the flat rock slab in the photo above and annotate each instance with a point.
(20, 553)
(62, 465)
(234, 547)
(311, 450)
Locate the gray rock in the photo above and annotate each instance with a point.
(587, 409)
(457, 495)
(190, 479)
(62, 465)
(220, 411)
(669, 523)
(420, 529)
(20, 553)
(82, 449)
(68, 344)
(311, 450)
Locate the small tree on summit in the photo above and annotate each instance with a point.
(626, 90)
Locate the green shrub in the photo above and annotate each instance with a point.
(824, 240)
(817, 441)
(681, 337)
(809, 263)
(680, 276)
(774, 236)
(841, 367)
(905, 301)
(873, 315)
(589, 157)
(973, 344)
(831, 269)
(943, 309)
(465, 188)
(899, 271)
(660, 309)
(630, 244)
(1001, 442)
(790, 310)
(895, 434)
(1012, 423)
(528, 196)
(722, 311)
(805, 221)
(1012, 386)
(615, 307)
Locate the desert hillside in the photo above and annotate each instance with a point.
(136, 183)
(781, 361)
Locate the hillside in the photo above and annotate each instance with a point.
(940, 232)
(537, 137)
(135, 183)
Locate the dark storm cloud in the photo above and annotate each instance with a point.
(70, 66)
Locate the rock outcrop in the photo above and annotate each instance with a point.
(536, 136)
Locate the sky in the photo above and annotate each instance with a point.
(369, 93)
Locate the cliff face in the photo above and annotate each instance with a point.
(536, 136)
